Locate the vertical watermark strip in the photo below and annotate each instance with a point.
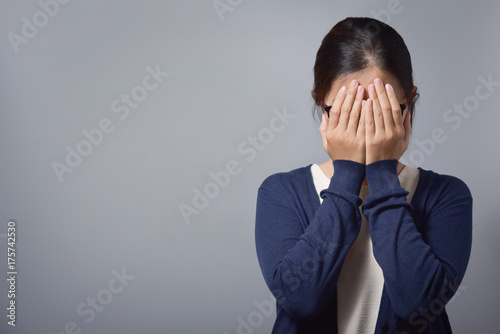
(11, 272)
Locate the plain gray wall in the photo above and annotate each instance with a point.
(228, 76)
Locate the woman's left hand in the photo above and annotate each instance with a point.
(387, 131)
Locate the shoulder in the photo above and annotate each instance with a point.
(288, 179)
(437, 185)
(290, 188)
(287, 194)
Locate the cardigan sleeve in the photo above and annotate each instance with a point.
(425, 268)
(301, 262)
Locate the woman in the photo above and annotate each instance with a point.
(362, 243)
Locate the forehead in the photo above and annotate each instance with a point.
(366, 77)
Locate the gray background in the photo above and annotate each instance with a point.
(120, 207)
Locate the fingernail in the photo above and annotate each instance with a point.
(378, 82)
(353, 83)
(371, 88)
(363, 103)
(342, 89)
(388, 87)
(360, 89)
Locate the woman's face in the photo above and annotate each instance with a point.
(365, 78)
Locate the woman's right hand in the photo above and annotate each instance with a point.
(343, 134)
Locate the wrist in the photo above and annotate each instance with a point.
(382, 174)
(347, 175)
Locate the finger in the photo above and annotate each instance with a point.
(369, 121)
(395, 107)
(385, 104)
(378, 117)
(335, 110)
(361, 125)
(345, 110)
(355, 114)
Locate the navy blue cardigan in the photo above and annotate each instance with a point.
(423, 247)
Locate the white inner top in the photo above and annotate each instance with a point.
(361, 280)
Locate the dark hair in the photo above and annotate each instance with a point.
(355, 44)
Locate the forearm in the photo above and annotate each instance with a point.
(304, 279)
(414, 274)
